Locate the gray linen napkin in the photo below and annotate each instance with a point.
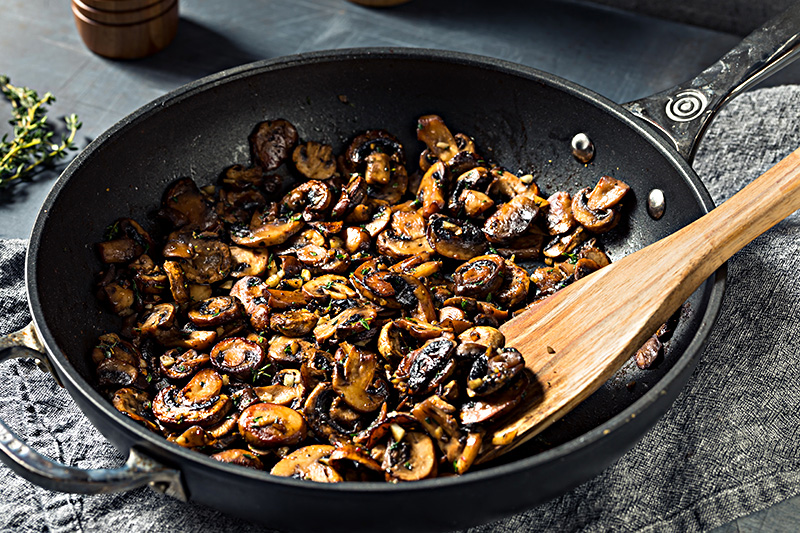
(727, 447)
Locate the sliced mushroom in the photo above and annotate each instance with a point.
(248, 261)
(125, 241)
(272, 141)
(369, 143)
(511, 219)
(429, 366)
(491, 371)
(237, 356)
(135, 404)
(178, 286)
(454, 238)
(354, 374)
(404, 237)
(477, 307)
(598, 209)
(317, 368)
(480, 276)
(431, 193)
(215, 311)
(161, 317)
(268, 228)
(185, 206)
(558, 217)
(565, 244)
(240, 178)
(353, 195)
(378, 169)
(239, 457)
(111, 346)
(266, 425)
(293, 323)
(314, 160)
(180, 364)
(476, 179)
(252, 293)
(393, 191)
(418, 266)
(329, 417)
(432, 130)
(486, 336)
(313, 198)
(410, 459)
(203, 258)
(287, 389)
(493, 406)
(516, 284)
(548, 280)
(350, 322)
(437, 417)
(648, 353)
(308, 462)
(198, 403)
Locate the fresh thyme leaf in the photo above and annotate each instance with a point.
(32, 147)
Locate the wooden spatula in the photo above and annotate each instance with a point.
(577, 338)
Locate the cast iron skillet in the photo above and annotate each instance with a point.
(522, 117)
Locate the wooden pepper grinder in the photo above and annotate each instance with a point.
(126, 29)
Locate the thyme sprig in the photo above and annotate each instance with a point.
(33, 147)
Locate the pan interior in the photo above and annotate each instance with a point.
(520, 118)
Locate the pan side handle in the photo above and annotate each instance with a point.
(684, 112)
(138, 471)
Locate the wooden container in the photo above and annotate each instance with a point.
(126, 29)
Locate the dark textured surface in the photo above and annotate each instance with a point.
(620, 55)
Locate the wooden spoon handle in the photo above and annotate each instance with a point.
(577, 338)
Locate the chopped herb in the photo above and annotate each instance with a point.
(364, 323)
(489, 297)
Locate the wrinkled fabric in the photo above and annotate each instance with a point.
(727, 447)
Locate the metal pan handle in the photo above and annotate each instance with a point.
(137, 471)
(684, 112)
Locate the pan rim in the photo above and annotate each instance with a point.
(715, 285)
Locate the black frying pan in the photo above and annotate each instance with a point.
(524, 118)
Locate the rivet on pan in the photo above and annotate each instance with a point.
(656, 203)
(582, 148)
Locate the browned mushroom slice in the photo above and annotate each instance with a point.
(354, 379)
(237, 356)
(372, 142)
(111, 346)
(480, 276)
(431, 193)
(183, 205)
(477, 307)
(204, 259)
(558, 214)
(177, 364)
(353, 195)
(584, 267)
(410, 459)
(516, 284)
(236, 456)
(393, 191)
(418, 266)
(252, 293)
(198, 403)
(429, 366)
(454, 238)
(287, 350)
(432, 130)
(493, 406)
(149, 277)
(380, 218)
(313, 198)
(548, 280)
(404, 237)
(135, 404)
(239, 177)
(526, 247)
(113, 372)
(267, 228)
(272, 141)
(281, 300)
(161, 317)
(591, 251)
(420, 329)
(193, 437)
(286, 389)
(308, 462)
(378, 169)
(486, 336)
(317, 367)
(329, 416)
(125, 240)
(475, 203)
(477, 179)
(119, 295)
(511, 219)
(598, 209)
(491, 371)
(508, 185)
(437, 417)
(314, 160)
(235, 207)
(454, 319)
(565, 244)
(350, 322)
(269, 425)
(177, 282)
(354, 463)
(293, 323)
(329, 286)
(214, 311)
(648, 353)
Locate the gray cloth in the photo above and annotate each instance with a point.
(727, 447)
